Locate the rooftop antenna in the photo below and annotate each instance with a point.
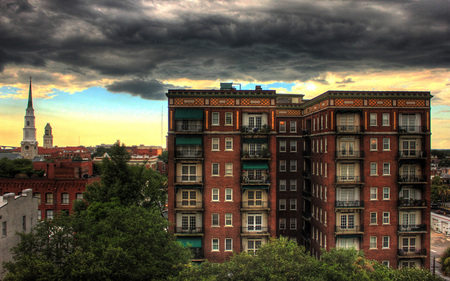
(162, 108)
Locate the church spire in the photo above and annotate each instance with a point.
(30, 97)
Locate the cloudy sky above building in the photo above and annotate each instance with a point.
(101, 68)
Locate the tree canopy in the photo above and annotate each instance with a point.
(10, 168)
(284, 260)
(118, 234)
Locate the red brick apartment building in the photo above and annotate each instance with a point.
(347, 169)
(63, 183)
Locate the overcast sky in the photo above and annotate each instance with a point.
(105, 56)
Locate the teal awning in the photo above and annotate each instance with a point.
(255, 165)
(188, 114)
(191, 242)
(255, 187)
(188, 140)
(255, 140)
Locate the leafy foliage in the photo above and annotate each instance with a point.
(164, 156)
(285, 260)
(119, 235)
(10, 168)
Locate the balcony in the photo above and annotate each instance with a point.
(189, 230)
(254, 204)
(307, 153)
(189, 204)
(356, 229)
(306, 215)
(306, 132)
(411, 129)
(188, 127)
(412, 203)
(412, 253)
(306, 174)
(306, 235)
(349, 129)
(348, 179)
(197, 254)
(188, 154)
(412, 179)
(255, 230)
(412, 154)
(255, 180)
(263, 154)
(306, 194)
(412, 228)
(349, 204)
(264, 129)
(187, 179)
(346, 154)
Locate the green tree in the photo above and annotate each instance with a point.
(10, 168)
(164, 156)
(132, 185)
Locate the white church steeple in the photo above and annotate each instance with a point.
(29, 144)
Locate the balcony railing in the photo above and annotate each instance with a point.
(411, 252)
(259, 154)
(349, 229)
(412, 203)
(412, 179)
(349, 129)
(198, 253)
(189, 204)
(306, 152)
(412, 154)
(344, 179)
(255, 229)
(306, 174)
(306, 215)
(264, 129)
(412, 227)
(189, 230)
(254, 204)
(189, 127)
(188, 154)
(306, 194)
(349, 204)
(411, 129)
(305, 234)
(349, 154)
(189, 179)
(256, 179)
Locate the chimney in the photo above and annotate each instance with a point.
(258, 88)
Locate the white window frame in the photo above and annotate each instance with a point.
(386, 172)
(282, 165)
(373, 243)
(386, 218)
(293, 204)
(282, 223)
(293, 126)
(282, 205)
(282, 185)
(293, 223)
(228, 117)
(386, 239)
(228, 219)
(293, 146)
(283, 146)
(215, 220)
(215, 195)
(385, 117)
(386, 144)
(293, 185)
(373, 220)
(373, 144)
(215, 172)
(215, 245)
(282, 126)
(228, 144)
(293, 165)
(215, 144)
(373, 193)
(228, 194)
(228, 169)
(373, 119)
(215, 119)
(386, 191)
(65, 198)
(228, 244)
(372, 166)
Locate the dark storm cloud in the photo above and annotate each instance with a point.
(279, 40)
(146, 89)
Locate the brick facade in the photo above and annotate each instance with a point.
(345, 169)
